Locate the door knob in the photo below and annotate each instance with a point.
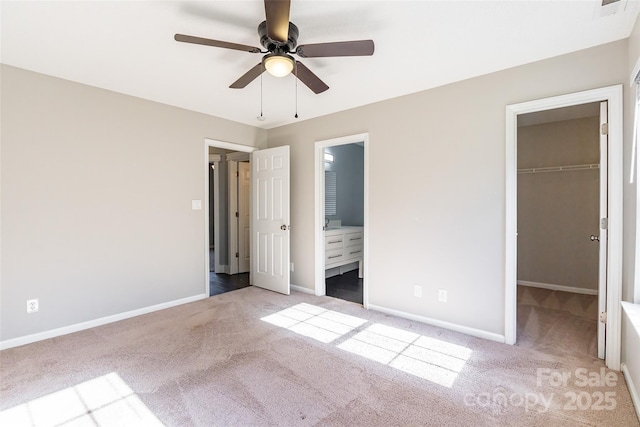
(283, 227)
(594, 238)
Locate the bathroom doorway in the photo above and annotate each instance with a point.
(344, 220)
(342, 200)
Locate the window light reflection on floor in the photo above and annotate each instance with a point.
(106, 400)
(431, 359)
(315, 322)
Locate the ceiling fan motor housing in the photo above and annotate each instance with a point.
(273, 45)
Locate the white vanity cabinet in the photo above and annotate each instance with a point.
(343, 246)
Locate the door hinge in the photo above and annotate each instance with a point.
(604, 129)
(604, 223)
(237, 215)
(237, 255)
(603, 317)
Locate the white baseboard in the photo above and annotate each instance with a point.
(632, 389)
(562, 288)
(303, 290)
(28, 339)
(441, 324)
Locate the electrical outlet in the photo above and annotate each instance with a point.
(442, 295)
(32, 305)
(291, 266)
(417, 291)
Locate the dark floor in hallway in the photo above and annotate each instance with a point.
(221, 283)
(345, 286)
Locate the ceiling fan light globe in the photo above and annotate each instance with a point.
(279, 65)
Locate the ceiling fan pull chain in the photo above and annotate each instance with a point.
(261, 117)
(296, 65)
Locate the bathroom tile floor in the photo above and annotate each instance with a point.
(345, 286)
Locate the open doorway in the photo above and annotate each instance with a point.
(610, 276)
(341, 218)
(269, 215)
(228, 204)
(561, 183)
(344, 221)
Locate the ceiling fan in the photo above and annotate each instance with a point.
(279, 37)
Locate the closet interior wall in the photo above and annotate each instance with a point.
(558, 203)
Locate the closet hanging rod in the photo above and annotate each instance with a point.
(560, 168)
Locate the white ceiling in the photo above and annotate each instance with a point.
(128, 47)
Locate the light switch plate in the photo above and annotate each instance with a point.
(196, 205)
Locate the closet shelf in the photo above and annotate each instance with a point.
(559, 168)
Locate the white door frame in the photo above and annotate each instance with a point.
(603, 234)
(233, 226)
(215, 159)
(612, 94)
(320, 286)
(227, 146)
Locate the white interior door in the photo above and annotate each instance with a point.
(217, 212)
(233, 215)
(270, 227)
(244, 205)
(604, 215)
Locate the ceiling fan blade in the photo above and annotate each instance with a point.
(351, 48)
(307, 77)
(215, 43)
(277, 13)
(248, 77)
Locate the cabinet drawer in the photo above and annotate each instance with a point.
(333, 242)
(334, 256)
(353, 239)
(353, 252)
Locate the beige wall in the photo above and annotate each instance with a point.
(558, 211)
(630, 189)
(437, 184)
(96, 201)
(630, 339)
(96, 191)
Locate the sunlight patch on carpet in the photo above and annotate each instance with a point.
(431, 359)
(314, 322)
(106, 400)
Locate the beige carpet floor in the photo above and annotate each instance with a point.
(256, 358)
(557, 322)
